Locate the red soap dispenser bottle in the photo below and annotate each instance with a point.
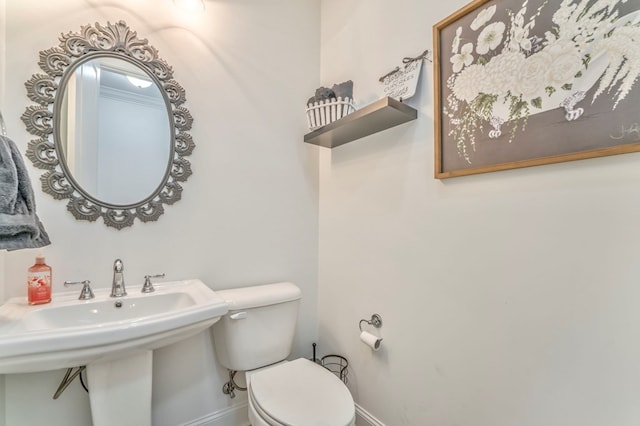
(39, 282)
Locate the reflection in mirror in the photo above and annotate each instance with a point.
(112, 130)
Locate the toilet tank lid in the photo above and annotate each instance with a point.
(260, 295)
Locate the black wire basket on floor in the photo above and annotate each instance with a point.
(337, 364)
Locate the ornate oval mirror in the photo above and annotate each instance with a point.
(112, 130)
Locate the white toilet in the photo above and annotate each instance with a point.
(255, 337)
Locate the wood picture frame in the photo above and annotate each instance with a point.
(522, 83)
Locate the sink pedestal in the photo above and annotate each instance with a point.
(120, 390)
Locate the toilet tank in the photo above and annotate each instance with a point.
(259, 328)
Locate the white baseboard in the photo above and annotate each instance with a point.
(236, 415)
(364, 418)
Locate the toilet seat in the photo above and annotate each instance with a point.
(301, 392)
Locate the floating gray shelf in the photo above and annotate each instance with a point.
(376, 117)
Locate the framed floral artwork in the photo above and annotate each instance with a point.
(522, 83)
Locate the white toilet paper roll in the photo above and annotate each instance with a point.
(370, 340)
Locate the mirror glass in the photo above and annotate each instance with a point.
(113, 131)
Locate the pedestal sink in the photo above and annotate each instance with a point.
(113, 337)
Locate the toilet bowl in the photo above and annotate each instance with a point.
(300, 393)
(255, 337)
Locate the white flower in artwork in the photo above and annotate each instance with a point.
(465, 87)
(566, 62)
(456, 41)
(503, 73)
(519, 39)
(483, 17)
(462, 59)
(490, 37)
(525, 44)
(532, 75)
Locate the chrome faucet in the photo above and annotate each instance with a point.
(117, 288)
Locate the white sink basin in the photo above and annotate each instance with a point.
(69, 332)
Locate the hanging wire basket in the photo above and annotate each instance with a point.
(337, 364)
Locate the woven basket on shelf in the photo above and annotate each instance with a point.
(322, 113)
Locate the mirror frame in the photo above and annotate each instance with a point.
(112, 40)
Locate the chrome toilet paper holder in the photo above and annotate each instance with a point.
(376, 321)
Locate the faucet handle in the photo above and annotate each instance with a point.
(86, 293)
(148, 287)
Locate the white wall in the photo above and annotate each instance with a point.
(509, 298)
(249, 212)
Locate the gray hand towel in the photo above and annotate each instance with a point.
(19, 225)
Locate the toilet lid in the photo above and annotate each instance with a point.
(302, 392)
